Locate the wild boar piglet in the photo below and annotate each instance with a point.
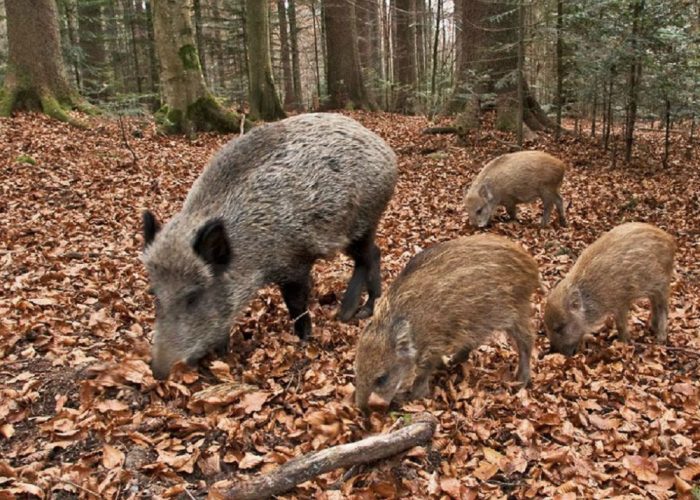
(632, 261)
(516, 178)
(267, 206)
(447, 301)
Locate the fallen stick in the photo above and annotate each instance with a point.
(306, 467)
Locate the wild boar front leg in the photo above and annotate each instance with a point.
(548, 205)
(523, 338)
(374, 283)
(621, 324)
(659, 316)
(559, 202)
(296, 293)
(512, 210)
(366, 274)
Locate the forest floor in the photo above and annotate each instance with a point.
(81, 415)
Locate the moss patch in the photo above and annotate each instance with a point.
(189, 57)
(25, 159)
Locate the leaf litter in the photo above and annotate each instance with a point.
(81, 415)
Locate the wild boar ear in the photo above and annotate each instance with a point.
(575, 302)
(150, 227)
(485, 192)
(211, 244)
(403, 340)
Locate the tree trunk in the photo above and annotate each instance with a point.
(560, 65)
(316, 60)
(152, 59)
(487, 43)
(404, 57)
(633, 80)
(521, 77)
(199, 33)
(667, 134)
(284, 54)
(264, 103)
(608, 111)
(369, 42)
(421, 35)
(70, 8)
(436, 43)
(129, 18)
(94, 69)
(36, 79)
(296, 68)
(188, 107)
(346, 88)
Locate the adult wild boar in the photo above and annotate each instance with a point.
(631, 261)
(266, 207)
(516, 178)
(446, 302)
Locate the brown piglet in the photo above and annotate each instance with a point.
(632, 261)
(446, 302)
(516, 178)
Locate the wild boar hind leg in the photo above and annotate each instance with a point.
(365, 275)
(295, 293)
(659, 316)
(559, 202)
(522, 336)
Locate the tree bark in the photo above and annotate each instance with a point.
(346, 88)
(436, 42)
(633, 80)
(296, 67)
(264, 103)
(284, 55)
(560, 65)
(404, 57)
(306, 467)
(199, 33)
(667, 134)
(487, 42)
(36, 79)
(152, 59)
(188, 107)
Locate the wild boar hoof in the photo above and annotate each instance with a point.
(364, 312)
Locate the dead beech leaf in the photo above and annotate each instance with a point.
(491, 455)
(112, 457)
(643, 467)
(485, 470)
(690, 472)
(7, 430)
(250, 461)
(604, 424)
(253, 401)
(525, 431)
(111, 405)
(451, 486)
(221, 394)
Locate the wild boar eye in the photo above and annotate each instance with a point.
(381, 381)
(191, 298)
(478, 212)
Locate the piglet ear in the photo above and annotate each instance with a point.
(485, 192)
(211, 244)
(403, 340)
(575, 302)
(150, 227)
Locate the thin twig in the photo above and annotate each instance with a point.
(671, 348)
(80, 488)
(126, 141)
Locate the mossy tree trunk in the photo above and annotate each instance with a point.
(346, 87)
(188, 106)
(36, 78)
(264, 102)
(487, 64)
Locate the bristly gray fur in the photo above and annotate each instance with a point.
(288, 193)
